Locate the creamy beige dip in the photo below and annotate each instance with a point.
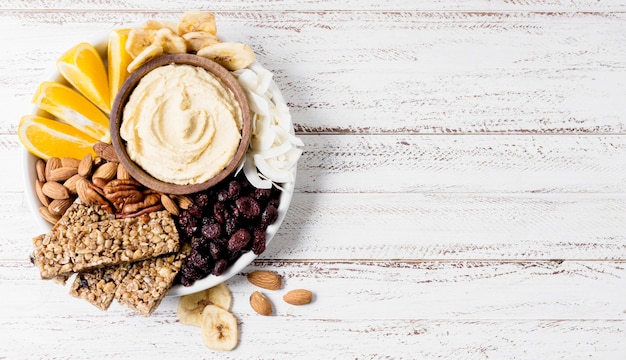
(181, 124)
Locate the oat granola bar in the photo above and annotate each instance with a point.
(78, 214)
(98, 286)
(105, 243)
(147, 283)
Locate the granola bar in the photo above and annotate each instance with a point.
(98, 286)
(78, 214)
(147, 283)
(105, 243)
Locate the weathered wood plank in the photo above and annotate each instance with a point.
(399, 71)
(320, 5)
(382, 290)
(469, 163)
(438, 163)
(417, 226)
(71, 338)
(487, 309)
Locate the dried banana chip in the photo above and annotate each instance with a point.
(199, 39)
(197, 21)
(233, 56)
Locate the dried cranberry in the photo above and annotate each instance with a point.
(198, 261)
(258, 241)
(197, 244)
(186, 281)
(189, 272)
(273, 202)
(189, 230)
(248, 207)
(222, 196)
(195, 210)
(238, 240)
(215, 250)
(233, 189)
(270, 214)
(219, 212)
(234, 212)
(201, 200)
(262, 194)
(211, 231)
(219, 267)
(231, 226)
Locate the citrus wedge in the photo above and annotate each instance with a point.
(48, 138)
(68, 105)
(118, 59)
(83, 67)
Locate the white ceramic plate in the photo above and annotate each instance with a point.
(30, 176)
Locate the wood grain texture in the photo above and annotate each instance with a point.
(461, 194)
(504, 308)
(418, 226)
(439, 163)
(323, 5)
(427, 72)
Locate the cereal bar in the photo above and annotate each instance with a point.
(98, 286)
(105, 243)
(147, 283)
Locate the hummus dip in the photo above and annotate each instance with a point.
(181, 124)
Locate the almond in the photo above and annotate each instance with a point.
(62, 174)
(43, 199)
(82, 185)
(122, 173)
(99, 182)
(184, 202)
(51, 164)
(54, 190)
(59, 206)
(43, 211)
(106, 151)
(84, 167)
(70, 183)
(265, 279)
(261, 304)
(298, 297)
(169, 205)
(69, 162)
(40, 167)
(106, 171)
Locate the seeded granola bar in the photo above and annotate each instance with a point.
(147, 283)
(105, 243)
(98, 286)
(78, 214)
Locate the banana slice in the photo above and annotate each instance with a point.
(190, 306)
(219, 328)
(146, 55)
(197, 21)
(233, 56)
(220, 295)
(169, 41)
(138, 40)
(160, 24)
(198, 39)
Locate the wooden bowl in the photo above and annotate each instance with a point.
(123, 95)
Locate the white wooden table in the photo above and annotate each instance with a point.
(462, 193)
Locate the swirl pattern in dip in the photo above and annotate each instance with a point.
(181, 124)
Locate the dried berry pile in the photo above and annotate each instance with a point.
(224, 222)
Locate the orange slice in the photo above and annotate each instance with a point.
(68, 105)
(47, 138)
(118, 59)
(83, 67)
